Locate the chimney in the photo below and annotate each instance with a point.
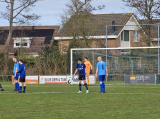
(32, 28)
(113, 28)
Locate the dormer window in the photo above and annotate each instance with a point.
(24, 42)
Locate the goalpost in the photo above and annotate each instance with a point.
(120, 61)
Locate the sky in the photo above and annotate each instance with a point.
(50, 10)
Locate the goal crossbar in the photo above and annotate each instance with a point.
(119, 48)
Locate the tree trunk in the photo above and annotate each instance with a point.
(10, 28)
(7, 44)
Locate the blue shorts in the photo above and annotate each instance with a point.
(17, 75)
(102, 77)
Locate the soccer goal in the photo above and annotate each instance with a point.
(133, 61)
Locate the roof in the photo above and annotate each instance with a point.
(41, 35)
(99, 23)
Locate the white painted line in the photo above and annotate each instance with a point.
(84, 92)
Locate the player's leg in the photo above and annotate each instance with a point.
(1, 87)
(87, 78)
(16, 82)
(101, 81)
(20, 87)
(24, 86)
(86, 86)
(17, 75)
(80, 85)
(103, 84)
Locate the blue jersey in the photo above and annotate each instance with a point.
(101, 65)
(16, 65)
(81, 69)
(22, 71)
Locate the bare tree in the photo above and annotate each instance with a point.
(77, 21)
(147, 9)
(79, 24)
(16, 13)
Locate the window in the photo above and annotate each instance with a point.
(125, 35)
(17, 44)
(22, 42)
(135, 36)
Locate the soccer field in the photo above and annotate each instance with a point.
(62, 101)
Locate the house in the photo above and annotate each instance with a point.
(117, 36)
(29, 39)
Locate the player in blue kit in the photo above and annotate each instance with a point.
(81, 69)
(22, 72)
(101, 72)
(16, 75)
(1, 88)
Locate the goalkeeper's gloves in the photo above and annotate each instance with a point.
(91, 71)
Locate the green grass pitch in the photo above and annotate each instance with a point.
(63, 102)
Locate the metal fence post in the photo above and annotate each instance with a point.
(93, 62)
(106, 47)
(158, 48)
(132, 66)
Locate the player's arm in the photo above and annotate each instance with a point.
(85, 68)
(106, 72)
(86, 71)
(16, 71)
(75, 72)
(19, 70)
(96, 72)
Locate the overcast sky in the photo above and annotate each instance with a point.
(49, 10)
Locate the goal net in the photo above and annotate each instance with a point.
(120, 61)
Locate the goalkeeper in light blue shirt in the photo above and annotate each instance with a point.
(16, 75)
(101, 73)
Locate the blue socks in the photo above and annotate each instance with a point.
(86, 86)
(24, 88)
(80, 87)
(20, 88)
(101, 87)
(17, 86)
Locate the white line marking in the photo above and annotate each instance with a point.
(84, 92)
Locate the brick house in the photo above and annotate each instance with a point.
(118, 36)
(30, 39)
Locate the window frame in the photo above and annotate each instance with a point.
(122, 35)
(21, 42)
